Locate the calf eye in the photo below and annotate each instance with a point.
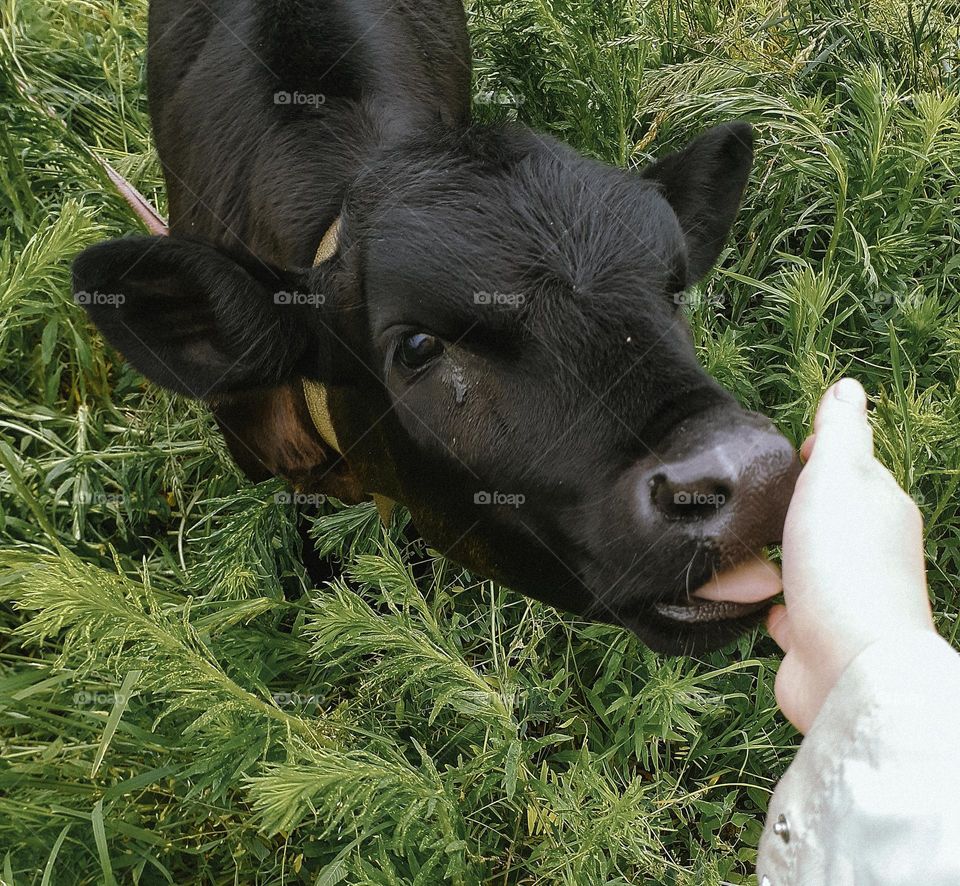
(416, 349)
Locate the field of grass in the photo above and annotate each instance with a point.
(179, 704)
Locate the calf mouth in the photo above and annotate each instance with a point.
(708, 612)
(685, 623)
(726, 592)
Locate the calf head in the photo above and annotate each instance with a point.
(498, 332)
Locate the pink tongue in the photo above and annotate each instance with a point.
(750, 582)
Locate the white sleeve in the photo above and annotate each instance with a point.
(873, 796)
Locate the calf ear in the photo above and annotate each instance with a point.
(704, 183)
(192, 319)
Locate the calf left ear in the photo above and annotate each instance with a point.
(704, 184)
(192, 319)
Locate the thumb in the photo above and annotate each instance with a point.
(778, 626)
(841, 426)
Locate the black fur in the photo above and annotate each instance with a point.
(568, 378)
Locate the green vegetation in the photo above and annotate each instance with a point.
(179, 704)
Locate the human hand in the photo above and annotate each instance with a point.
(853, 569)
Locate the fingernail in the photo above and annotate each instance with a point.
(848, 390)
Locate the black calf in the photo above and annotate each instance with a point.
(492, 337)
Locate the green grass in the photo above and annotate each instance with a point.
(178, 704)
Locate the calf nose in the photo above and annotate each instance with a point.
(726, 477)
(696, 488)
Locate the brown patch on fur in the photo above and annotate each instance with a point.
(270, 434)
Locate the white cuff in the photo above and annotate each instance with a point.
(873, 795)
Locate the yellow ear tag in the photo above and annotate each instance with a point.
(316, 393)
(329, 243)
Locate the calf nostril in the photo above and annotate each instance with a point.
(690, 500)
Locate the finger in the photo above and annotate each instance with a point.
(806, 448)
(788, 690)
(841, 427)
(778, 626)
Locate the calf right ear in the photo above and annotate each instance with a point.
(195, 321)
(704, 183)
